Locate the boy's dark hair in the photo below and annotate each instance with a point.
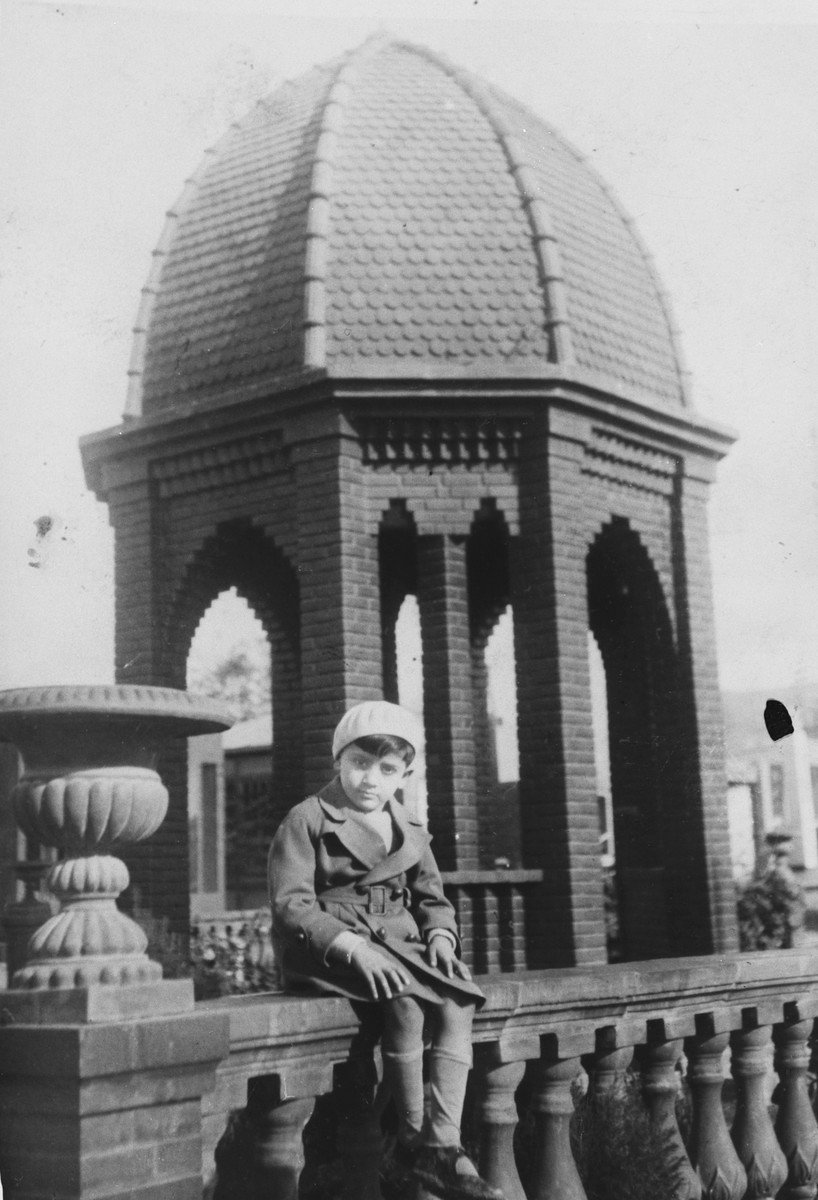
(380, 744)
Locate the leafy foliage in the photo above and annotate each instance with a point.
(770, 910)
(221, 962)
(165, 946)
(242, 678)
(235, 962)
(620, 1155)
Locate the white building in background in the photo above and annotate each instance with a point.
(743, 815)
(775, 789)
(788, 789)
(206, 825)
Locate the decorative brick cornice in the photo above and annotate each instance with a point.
(625, 461)
(219, 466)
(472, 441)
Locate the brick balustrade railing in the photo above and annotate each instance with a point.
(288, 1049)
(491, 917)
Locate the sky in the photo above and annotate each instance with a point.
(701, 118)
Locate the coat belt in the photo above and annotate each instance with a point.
(373, 897)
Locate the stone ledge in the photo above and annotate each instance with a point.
(675, 991)
(68, 1054)
(95, 1004)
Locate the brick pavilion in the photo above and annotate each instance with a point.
(399, 339)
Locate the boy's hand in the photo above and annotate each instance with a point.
(441, 954)
(384, 977)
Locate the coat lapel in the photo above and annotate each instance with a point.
(412, 841)
(363, 844)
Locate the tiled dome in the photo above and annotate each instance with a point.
(390, 215)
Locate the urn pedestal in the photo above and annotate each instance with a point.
(89, 786)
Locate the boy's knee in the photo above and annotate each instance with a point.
(457, 1012)
(403, 1015)
(453, 1035)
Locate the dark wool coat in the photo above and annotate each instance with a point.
(394, 899)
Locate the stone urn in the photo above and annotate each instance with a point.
(88, 786)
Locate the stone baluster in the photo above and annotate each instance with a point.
(607, 1068)
(554, 1172)
(24, 916)
(795, 1123)
(660, 1088)
(261, 1153)
(279, 1148)
(711, 1149)
(752, 1132)
(497, 1083)
(359, 1103)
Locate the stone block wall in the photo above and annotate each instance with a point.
(108, 1109)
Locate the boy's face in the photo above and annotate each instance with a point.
(369, 781)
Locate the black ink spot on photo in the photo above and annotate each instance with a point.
(777, 720)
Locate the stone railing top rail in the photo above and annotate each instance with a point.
(623, 1005)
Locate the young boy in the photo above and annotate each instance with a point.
(359, 910)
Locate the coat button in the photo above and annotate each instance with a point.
(380, 932)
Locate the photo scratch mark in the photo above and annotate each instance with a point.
(49, 529)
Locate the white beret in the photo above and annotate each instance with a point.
(376, 718)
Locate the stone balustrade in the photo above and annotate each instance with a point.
(131, 1090)
(545, 1028)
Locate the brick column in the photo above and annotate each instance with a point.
(341, 654)
(288, 754)
(133, 517)
(448, 704)
(558, 814)
(159, 872)
(490, 818)
(705, 890)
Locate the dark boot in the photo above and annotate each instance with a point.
(448, 1172)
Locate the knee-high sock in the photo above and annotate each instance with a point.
(447, 1084)
(403, 1078)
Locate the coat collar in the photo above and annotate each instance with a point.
(365, 844)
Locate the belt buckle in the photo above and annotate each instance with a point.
(377, 899)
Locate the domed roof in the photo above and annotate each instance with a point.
(390, 215)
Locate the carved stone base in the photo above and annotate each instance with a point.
(86, 970)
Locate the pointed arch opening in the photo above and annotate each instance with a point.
(233, 630)
(402, 647)
(638, 671)
(494, 690)
(229, 775)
